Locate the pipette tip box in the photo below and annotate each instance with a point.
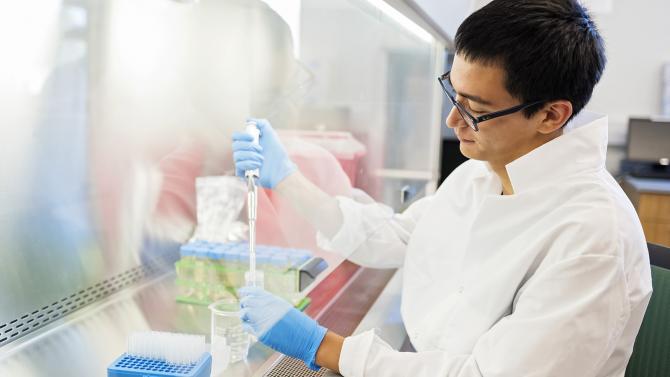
(127, 365)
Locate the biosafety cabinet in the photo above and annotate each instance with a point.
(112, 109)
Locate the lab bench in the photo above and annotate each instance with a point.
(349, 299)
(651, 198)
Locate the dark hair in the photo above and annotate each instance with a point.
(549, 49)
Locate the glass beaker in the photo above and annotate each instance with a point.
(227, 325)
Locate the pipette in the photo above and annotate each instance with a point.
(252, 202)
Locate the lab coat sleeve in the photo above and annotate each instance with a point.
(371, 234)
(565, 322)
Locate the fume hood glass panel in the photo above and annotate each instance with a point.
(374, 77)
(112, 108)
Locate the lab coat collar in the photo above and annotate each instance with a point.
(581, 148)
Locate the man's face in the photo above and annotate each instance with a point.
(481, 90)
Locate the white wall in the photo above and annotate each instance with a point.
(638, 43)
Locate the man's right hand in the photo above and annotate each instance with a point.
(270, 157)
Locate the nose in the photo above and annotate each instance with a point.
(454, 119)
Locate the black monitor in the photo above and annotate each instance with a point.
(647, 149)
(648, 141)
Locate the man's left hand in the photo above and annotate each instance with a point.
(280, 326)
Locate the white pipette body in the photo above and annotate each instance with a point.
(252, 203)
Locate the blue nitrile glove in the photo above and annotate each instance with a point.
(271, 158)
(280, 326)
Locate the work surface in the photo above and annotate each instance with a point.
(650, 185)
(86, 342)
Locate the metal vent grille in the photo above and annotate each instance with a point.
(290, 367)
(29, 322)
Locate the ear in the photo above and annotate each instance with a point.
(554, 115)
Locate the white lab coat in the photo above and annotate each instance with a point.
(551, 281)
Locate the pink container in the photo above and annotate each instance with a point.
(347, 150)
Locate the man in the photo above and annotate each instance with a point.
(529, 260)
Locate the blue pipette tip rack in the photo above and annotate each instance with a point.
(127, 365)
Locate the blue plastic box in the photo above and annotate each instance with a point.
(127, 365)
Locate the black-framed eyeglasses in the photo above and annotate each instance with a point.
(471, 120)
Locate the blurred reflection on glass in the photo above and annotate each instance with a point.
(111, 108)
